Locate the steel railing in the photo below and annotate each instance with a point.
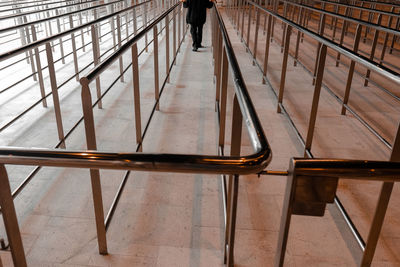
(312, 183)
(324, 43)
(235, 165)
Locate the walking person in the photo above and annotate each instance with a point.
(196, 17)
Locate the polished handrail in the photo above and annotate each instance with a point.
(158, 162)
(8, 3)
(152, 161)
(57, 16)
(349, 169)
(136, 161)
(40, 42)
(379, 3)
(347, 18)
(378, 68)
(97, 70)
(47, 4)
(256, 133)
(376, 11)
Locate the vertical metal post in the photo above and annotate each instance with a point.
(217, 66)
(54, 90)
(267, 48)
(296, 52)
(174, 36)
(386, 37)
(50, 29)
(342, 36)
(121, 64)
(351, 70)
(394, 37)
(30, 51)
(243, 14)
(156, 73)
(10, 220)
(321, 32)
(284, 67)
(240, 7)
(82, 39)
(144, 25)
(179, 28)
(134, 21)
(126, 25)
(167, 47)
(39, 68)
(237, 15)
(256, 37)
(335, 23)
(136, 95)
(71, 23)
(96, 56)
(248, 31)
(233, 186)
(45, 24)
(224, 86)
(317, 91)
(372, 54)
(60, 40)
(94, 173)
(286, 217)
(381, 207)
(22, 36)
(112, 25)
(99, 25)
(370, 18)
(283, 26)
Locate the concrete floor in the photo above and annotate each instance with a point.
(177, 219)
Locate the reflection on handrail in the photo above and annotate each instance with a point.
(347, 18)
(37, 43)
(55, 17)
(378, 68)
(47, 9)
(136, 161)
(212, 164)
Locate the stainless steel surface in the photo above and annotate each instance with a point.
(136, 95)
(284, 66)
(156, 67)
(14, 52)
(94, 172)
(381, 70)
(156, 162)
(10, 220)
(54, 90)
(317, 91)
(39, 68)
(351, 70)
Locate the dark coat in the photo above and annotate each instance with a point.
(196, 14)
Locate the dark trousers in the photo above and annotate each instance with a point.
(197, 34)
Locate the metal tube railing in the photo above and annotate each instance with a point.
(326, 172)
(367, 247)
(60, 16)
(234, 165)
(43, 10)
(37, 43)
(376, 11)
(381, 70)
(347, 18)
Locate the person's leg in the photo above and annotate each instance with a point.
(199, 35)
(193, 32)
